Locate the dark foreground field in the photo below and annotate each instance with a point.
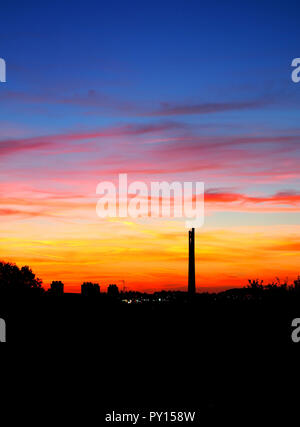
(228, 360)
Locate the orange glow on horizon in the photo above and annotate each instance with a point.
(150, 256)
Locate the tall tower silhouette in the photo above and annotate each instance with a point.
(192, 281)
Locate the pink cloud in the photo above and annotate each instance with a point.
(168, 109)
(57, 141)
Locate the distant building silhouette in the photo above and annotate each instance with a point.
(90, 289)
(192, 281)
(113, 290)
(56, 288)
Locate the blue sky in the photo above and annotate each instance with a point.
(150, 52)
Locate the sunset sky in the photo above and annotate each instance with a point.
(163, 91)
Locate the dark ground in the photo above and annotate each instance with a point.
(233, 362)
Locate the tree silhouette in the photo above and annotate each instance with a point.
(17, 281)
(255, 284)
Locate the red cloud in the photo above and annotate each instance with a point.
(288, 197)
